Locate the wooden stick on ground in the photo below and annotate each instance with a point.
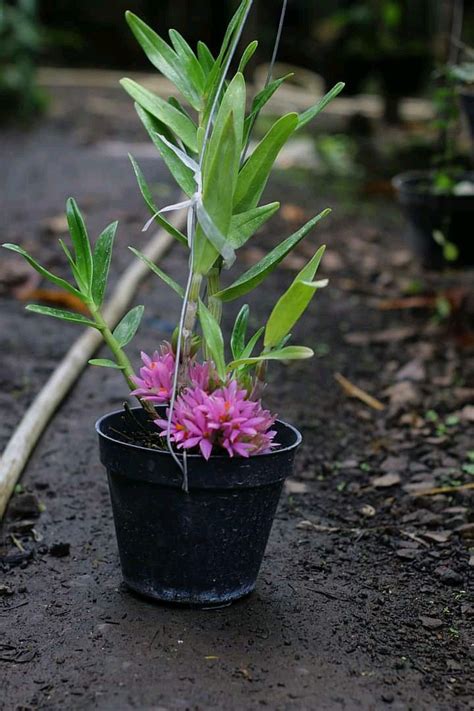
(43, 407)
(354, 391)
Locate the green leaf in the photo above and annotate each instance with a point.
(178, 105)
(102, 256)
(313, 111)
(288, 310)
(232, 104)
(220, 170)
(217, 200)
(215, 75)
(176, 121)
(237, 339)
(248, 350)
(59, 313)
(245, 224)
(189, 61)
(260, 100)
(72, 265)
(233, 28)
(182, 174)
(163, 58)
(256, 170)
(62, 283)
(212, 335)
(288, 353)
(290, 307)
(80, 240)
(159, 272)
(146, 193)
(206, 60)
(105, 363)
(257, 273)
(247, 55)
(128, 326)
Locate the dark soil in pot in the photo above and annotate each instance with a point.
(202, 547)
(427, 211)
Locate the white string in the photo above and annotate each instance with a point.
(269, 73)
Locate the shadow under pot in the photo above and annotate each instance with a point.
(204, 547)
(427, 212)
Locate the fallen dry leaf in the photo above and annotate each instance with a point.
(295, 487)
(402, 394)
(437, 536)
(15, 275)
(442, 490)
(292, 213)
(388, 335)
(57, 298)
(386, 480)
(467, 413)
(414, 370)
(56, 224)
(310, 526)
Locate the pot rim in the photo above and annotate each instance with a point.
(98, 425)
(402, 180)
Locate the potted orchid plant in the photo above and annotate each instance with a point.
(196, 470)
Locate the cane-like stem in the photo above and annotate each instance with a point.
(121, 357)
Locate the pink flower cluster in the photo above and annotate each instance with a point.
(156, 376)
(206, 414)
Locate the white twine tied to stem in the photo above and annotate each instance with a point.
(195, 205)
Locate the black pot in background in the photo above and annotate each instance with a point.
(427, 211)
(467, 103)
(204, 547)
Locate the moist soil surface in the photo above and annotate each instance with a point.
(363, 597)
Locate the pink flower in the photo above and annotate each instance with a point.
(189, 427)
(202, 375)
(225, 419)
(156, 376)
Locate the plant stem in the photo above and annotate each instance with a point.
(121, 357)
(215, 305)
(191, 314)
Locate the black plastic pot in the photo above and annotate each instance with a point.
(204, 547)
(427, 211)
(467, 103)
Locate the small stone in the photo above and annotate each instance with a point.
(467, 413)
(367, 510)
(59, 550)
(394, 464)
(466, 531)
(24, 506)
(402, 395)
(414, 370)
(448, 576)
(386, 480)
(388, 698)
(5, 590)
(430, 623)
(437, 536)
(295, 487)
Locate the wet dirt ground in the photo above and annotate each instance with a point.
(363, 598)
